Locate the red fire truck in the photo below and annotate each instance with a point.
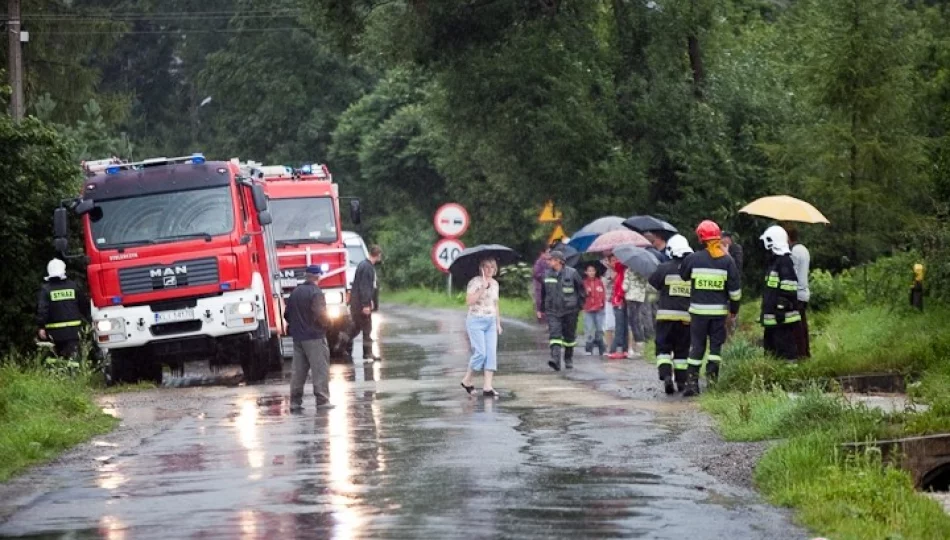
(181, 265)
(307, 229)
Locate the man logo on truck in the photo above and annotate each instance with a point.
(169, 276)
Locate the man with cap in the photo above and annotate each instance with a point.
(307, 321)
(61, 309)
(562, 298)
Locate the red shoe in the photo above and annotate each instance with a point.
(617, 356)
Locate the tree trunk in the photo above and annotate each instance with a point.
(696, 62)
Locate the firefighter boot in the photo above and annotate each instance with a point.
(679, 376)
(666, 375)
(712, 371)
(692, 382)
(555, 361)
(568, 357)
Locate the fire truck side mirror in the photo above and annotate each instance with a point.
(84, 206)
(260, 199)
(265, 218)
(61, 245)
(60, 223)
(356, 214)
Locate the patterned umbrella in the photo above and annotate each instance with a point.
(608, 241)
(586, 235)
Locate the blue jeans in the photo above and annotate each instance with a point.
(483, 335)
(620, 330)
(593, 329)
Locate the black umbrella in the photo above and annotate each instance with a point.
(598, 266)
(643, 224)
(571, 255)
(465, 266)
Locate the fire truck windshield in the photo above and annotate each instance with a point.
(162, 217)
(304, 221)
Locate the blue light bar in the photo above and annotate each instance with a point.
(116, 300)
(306, 169)
(197, 159)
(225, 286)
(113, 169)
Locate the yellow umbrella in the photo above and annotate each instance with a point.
(785, 208)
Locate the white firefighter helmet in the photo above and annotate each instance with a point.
(775, 240)
(678, 246)
(55, 269)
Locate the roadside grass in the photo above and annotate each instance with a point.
(516, 308)
(836, 493)
(43, 414)
(128, 387)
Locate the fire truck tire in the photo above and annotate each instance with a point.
(256, 356)
(121, 368)
(133, 366)
(151, 370)
(276, 355)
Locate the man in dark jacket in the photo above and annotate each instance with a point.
(61, 310)
(562, 297)
(307, 322)
(733, 249)
(672, 319)
(715, 291)
(780, 316)
(362, 300)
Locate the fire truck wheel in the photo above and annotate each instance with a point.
(276, 356)
(151, 370)
(120, 368)
(256, 356)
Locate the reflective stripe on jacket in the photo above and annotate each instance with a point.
(563, 292)
(61, 308)
(674, 292)
(781, 293)
(715, 285)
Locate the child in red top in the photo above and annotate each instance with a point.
(594, 311)
(620, 311)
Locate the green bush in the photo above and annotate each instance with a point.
(516, 280)
(827, 290)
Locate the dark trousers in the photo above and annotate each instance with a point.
(363, 323)
(310, 356)
(802, 340)
(701, 329)
(672, 348)
(620, 330)
(782, 341)
(634, 312)
(66, 349)
(562, 330)
(917, 296)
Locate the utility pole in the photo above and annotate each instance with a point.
(17, 106)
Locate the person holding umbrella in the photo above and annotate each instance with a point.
(562, 296)
(478, 266)
(484, 327)
(715, 291)
(672, 319)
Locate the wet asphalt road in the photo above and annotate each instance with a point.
(405, 454)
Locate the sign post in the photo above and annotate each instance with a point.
(451, 221)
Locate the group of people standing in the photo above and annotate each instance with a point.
(689, 305)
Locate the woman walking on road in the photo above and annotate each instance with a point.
(484, 327)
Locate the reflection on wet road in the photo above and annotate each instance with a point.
(405, 454)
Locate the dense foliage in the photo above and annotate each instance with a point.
(686, 109)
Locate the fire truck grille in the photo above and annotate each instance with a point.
(143, 279)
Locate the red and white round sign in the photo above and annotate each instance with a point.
(451, 220)
(444, 253)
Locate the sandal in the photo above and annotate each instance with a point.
(491, 393)
(468, 389)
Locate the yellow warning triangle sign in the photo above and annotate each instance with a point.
(548, 214)
(557, 234)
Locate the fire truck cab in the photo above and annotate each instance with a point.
(181, 265)
(307, 230)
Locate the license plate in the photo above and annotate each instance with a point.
(186, 314)
(286, 283)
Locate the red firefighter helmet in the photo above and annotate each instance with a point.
(708, 230)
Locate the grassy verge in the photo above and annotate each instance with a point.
(517, 308)
(42, 414)
(835, 493)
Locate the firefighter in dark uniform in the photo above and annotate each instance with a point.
(562, 297)
(62, 308)
(780, 317)
(672, 317)
(715, 291)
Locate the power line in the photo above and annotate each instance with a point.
(178, 31)
(142, 16)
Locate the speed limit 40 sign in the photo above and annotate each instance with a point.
(444, 253)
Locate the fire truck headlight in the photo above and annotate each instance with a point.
(110, 330)
(240, 309)
(334, 311)
(104, 326)
(334, 298)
